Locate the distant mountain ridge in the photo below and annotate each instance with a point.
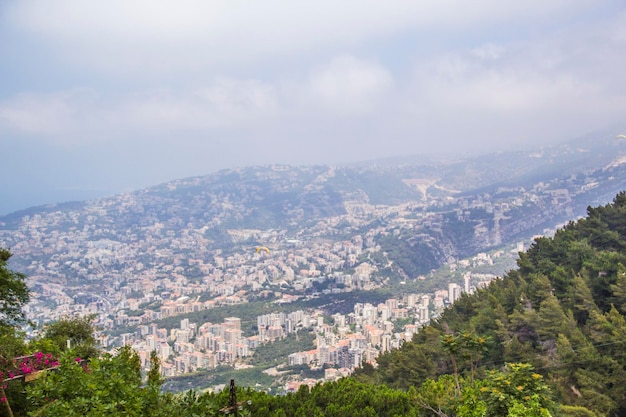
(443, 209)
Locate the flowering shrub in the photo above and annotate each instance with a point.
(24, 365)
(109, 385)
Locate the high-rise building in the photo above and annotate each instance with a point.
(232, 323)
(466, 282)
(184, 324)
(422, 315)
(454, 292)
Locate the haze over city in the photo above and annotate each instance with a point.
(102, 98)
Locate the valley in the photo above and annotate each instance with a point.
(356, 258)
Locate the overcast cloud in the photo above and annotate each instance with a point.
(102, 97)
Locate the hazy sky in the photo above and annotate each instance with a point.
(101, 97)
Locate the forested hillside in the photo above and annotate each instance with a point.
(562, 311)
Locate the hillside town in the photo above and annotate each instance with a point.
(285, 271)
(342, 341)
(147, 266)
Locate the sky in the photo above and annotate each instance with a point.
(103, 97)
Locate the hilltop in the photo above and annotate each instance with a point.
(442, 210)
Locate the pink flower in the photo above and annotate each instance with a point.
(3, 399)
(78, 360)
(11, 374)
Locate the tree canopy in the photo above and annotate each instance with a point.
(14, 293)
(562, 311)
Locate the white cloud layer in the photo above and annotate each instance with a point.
(303, 82)
(132, 36)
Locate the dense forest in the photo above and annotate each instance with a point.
(547, 339)
(561, 311)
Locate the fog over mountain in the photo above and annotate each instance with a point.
(441, 208)
(123, 95)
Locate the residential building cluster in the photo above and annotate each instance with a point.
(342, 341)
(134, 260)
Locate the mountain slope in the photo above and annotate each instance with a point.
(416, 215)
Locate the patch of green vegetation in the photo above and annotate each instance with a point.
(274, 353)
(249, 377)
